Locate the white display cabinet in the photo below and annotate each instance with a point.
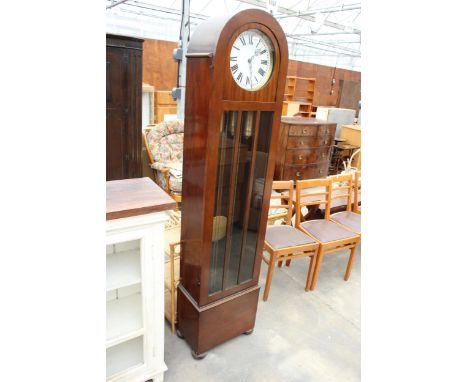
(135, 280)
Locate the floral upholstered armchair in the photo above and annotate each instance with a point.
(164, 144)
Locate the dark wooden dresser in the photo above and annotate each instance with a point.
(304, 147)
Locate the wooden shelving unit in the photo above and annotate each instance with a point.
(135, 221)
(293, 104)
(290, 89)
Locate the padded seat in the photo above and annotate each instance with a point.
(175, 176)
(350, 220)
(283, 236)
(326, 231)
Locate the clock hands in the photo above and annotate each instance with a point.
(249, 47)
(250, 68)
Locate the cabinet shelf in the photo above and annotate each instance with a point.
(124, 319)
(125, 356)
(123, 269)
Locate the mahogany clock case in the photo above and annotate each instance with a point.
(230, 140)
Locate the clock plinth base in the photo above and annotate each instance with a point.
(205, 327)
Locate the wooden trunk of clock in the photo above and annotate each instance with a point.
(230, 140)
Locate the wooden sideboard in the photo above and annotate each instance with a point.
(304, 147)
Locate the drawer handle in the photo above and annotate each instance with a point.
(320, 171)
(304, 131)
(323, 155)
(300, 157)
(301, 143)
(298, 173)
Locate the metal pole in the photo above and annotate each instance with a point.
(184, 39)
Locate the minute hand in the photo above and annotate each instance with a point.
(250, 67)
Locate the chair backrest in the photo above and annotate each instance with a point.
(146, 130)
(277, 198)
(357, 192)
(164, 141)
(319, 195)
(342, 188)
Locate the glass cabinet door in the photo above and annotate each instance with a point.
(243, 151)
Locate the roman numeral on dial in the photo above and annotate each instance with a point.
(242, 40)
(235, 59)
(261, 71)
(239, 77)
(250, 39)
(234, 68)
(264, 62)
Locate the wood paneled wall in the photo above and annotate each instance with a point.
(160, 71)
(323, 84)
(159, 68)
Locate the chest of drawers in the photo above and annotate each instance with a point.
(304, 147)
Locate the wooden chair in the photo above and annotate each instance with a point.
(276, 215)
(342, 187)
(164, 145)
(357, 192)
(284, 242)
(171, 274)
(331, 236)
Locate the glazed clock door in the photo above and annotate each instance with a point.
(244, 141)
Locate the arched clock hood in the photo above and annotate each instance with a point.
(204, 40)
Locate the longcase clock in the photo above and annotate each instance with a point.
(236, 72)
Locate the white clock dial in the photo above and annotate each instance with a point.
(251, 60)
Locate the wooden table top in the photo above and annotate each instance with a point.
(346, 146)
(132, 197)
(354, 127)
(305, 121)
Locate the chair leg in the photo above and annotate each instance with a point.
(271, 268)
(288, 262)
(317, 268)
(313, 259)
(173, 294)
(280, 263)
(350, 263)
(173, 313)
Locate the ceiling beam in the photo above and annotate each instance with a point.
(312, 18)
(340, 8)
(325, 50)
(321, 34)
(324, 43)
(115, 4)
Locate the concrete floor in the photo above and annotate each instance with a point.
(298, 336)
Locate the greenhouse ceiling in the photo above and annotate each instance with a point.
(324, 32)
